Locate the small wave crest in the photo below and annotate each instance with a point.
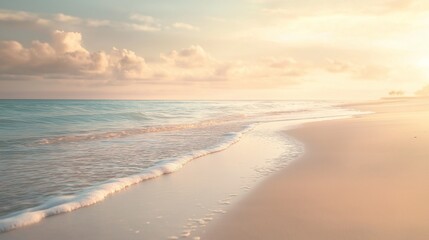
(134, 131)
(98, 193)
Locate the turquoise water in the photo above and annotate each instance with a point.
(56, 151)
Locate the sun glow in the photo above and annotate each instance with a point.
(423, 62)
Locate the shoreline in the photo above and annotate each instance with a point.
(97, 191)
(360, 178)
(100, 192)
(175, 205)
(104, 192)
(247, 167)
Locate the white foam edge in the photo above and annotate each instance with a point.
(95, 194)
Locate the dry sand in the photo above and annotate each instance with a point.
(361, 178)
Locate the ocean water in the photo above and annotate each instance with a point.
(60, 155)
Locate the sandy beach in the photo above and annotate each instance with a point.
(208, 120)
(360, 178)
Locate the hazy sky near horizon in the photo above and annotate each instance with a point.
(200, 49)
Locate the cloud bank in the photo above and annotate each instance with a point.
(135, 22)
(65, 57)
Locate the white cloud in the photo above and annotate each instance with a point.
(65, 57)
(137, 22)
(15, 16)
(126, 64)
(193, 57)
(60, 17)
(194, 63)
(185, 26)
(67, 42)
(98, 23)
(141, 27)
(365, 71)
(143, 23)
(142, 18)
(11, 17)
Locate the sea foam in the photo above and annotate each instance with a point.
(98, 193)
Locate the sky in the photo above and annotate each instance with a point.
(200, 49)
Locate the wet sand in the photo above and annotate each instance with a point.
(360, 178)
(178, 205)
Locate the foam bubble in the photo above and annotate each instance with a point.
(186, 233)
